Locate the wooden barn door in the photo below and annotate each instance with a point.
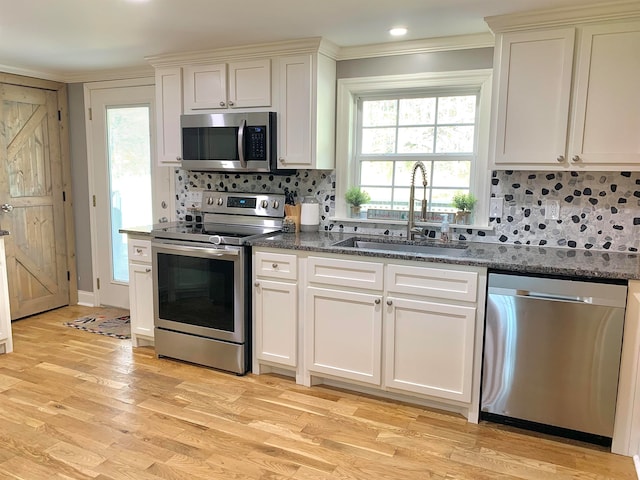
(31, 200)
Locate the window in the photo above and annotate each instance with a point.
(393, 132)
(386, 124)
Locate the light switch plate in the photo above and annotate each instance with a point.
(495, 207)
(552, 210)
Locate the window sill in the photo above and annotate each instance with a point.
(453, 226)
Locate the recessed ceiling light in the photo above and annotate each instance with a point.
(398, 31)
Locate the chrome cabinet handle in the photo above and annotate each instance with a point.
(147, 270)
(575, 158)
(389, 302)
(178, 158)
(138, 250)
(231, 104)
(377, 301)
(163, 204)
(257, 284)
(222, 104)
(6, 207)
(274, 265)
(560, 158)
(282, 160)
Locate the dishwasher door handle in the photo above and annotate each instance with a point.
(551, 296)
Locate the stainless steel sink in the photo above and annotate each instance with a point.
(456, 250)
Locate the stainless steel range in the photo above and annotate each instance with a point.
(202, 294)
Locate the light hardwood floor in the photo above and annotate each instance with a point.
(76, 405)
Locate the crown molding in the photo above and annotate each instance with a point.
(560, 17)
(40, 74)
(427, 45)
(104, 75)
(289, 47)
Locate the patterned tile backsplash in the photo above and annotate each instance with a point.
(598, 210)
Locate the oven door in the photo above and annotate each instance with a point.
(199, 289)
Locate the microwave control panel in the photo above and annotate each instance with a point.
(255, 143)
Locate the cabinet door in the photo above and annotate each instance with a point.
(276, 317)
(295, 112)
(250, 84)
(168, 111)
(141, 299)
(534, 87)
(343, 332)
(607, 98)
(429, 348)
(205, 87)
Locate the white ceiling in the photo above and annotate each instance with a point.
(70, 37)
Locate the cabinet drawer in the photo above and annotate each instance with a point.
(345, 273)
(433, 282)
(139, 250)
(276, 265)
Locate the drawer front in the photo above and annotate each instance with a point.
(139, 250)
(345, 273)
(433, 282)
(276, 265)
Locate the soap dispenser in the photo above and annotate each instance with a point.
(444, 229)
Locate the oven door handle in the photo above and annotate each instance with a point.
(209, 251)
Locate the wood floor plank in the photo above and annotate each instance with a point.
(80, 406)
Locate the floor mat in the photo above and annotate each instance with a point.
(118, 327)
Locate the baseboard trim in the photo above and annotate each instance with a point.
(86, 299)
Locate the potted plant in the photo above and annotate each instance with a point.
(355, 197)
(464, 203)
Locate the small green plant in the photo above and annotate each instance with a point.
(464, 201)
(356, 196)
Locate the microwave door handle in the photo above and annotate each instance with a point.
(243, 161)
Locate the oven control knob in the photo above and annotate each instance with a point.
(276, 204)
(220, 202)
(215, 239)
(210, 201)
(264, 204)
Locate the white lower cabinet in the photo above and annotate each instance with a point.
(140, 291)
(429, 348)
(276, 321)
(405, 329)
(275, 310)
(344, 334)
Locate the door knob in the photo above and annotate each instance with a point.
(6, 207)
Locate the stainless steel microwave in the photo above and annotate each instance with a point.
(229, 142)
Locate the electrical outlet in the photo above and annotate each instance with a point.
(193, 199)
(495, 207)
(552, 210)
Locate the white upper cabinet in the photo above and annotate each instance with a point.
(534, 89)
(606, 113)
(306, 121)
(567, 97)
(168, 111)
(244, 84)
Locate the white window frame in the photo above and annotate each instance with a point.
(349, 89)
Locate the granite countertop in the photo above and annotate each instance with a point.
(516, 258)
(142, 231)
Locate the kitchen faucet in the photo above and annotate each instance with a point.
(411, 228)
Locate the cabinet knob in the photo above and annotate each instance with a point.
(147, 270)
(282, 160)
(560, 158)
(257, 284)
(178, 158)
(377, 301)
(138, 250)
(222, 104)
(231, 104)
(575, 158)
(389, 302)
(274, 265)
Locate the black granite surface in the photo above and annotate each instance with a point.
(515, 258)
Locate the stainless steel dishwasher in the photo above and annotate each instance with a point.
(552, 354)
